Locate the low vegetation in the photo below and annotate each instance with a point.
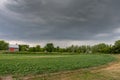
(110, 71)
(22, 64)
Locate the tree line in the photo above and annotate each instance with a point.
(49, 47)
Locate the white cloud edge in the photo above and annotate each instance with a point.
(63, 43)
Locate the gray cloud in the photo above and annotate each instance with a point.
(59, 19)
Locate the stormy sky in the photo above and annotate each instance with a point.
(63, 22)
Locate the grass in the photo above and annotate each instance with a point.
(25, 64)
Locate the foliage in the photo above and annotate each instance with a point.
(24, 64)
(3, 45)
(23, 47)
(37, 48)
(116, 47)
(49, 47)
(101, 48)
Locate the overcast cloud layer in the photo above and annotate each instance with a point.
(44, 20)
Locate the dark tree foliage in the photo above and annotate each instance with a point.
(49, 47)
(101, 48)
(23, 47)
(116, 47)
(37, 48)
(3, 45)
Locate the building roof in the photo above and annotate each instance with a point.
(13, 46)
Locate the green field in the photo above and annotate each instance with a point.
(33, 64)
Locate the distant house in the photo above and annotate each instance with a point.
(13, 48)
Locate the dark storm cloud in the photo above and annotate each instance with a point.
(59, 19)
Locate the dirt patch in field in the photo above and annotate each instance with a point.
(113, 67)
(112, 71)
(6, 78)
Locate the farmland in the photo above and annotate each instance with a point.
(109, 71)
(35, 64)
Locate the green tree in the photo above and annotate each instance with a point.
(3, 45)
(57, 49)
(116, 47)
(23, 47)
(84, 49)
(72, 49)
(49, 47)
(101, 48)
(37, 48)
(32, 49)
(62, 50)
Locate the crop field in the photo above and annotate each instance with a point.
(25, 64)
